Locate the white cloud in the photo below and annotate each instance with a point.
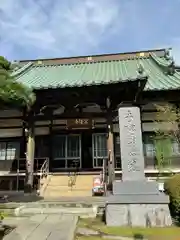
(56, 27)
(176, 49)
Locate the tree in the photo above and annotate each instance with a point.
(166, 131)
(12, 92)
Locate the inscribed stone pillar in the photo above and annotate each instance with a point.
(132, 157)
(134, 200)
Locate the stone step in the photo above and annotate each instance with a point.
(85, 202)
(58, 186)
(75, 187)
(89, 212)
(67, 194)
(70, 202)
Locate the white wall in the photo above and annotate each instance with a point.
(10, 132)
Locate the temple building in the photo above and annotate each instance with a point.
(74, 121)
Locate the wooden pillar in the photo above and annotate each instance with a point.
(110, 148)
(30, 158)
(50, 144)
(23, 138)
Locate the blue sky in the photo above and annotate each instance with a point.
(32, 29)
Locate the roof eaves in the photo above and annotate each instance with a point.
(21, 70)
(161, 62)
(161, 89)
(144, 77)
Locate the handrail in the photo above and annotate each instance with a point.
(41, 166)
(45, 167)
(105, 175)
(73, 175)
(20, 164)
(44, 171)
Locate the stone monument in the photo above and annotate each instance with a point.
(134, 200)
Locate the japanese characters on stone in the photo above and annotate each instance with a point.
(130, 132)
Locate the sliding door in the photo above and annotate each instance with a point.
(99, 143)
(66, 151)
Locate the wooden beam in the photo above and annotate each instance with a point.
(69, 115)
(159, 96)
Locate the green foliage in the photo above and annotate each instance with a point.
(2, 216)
(163, 152)
(172, 188)
(166, 121)
(5, 64)
(12, 92)
(166, 131)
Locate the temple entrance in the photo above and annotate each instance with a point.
(87, 159)
(66, 151)
(86, 149)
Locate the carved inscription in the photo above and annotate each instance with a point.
(82, 121)
(79, 123)
(130, 129)
(131, 143)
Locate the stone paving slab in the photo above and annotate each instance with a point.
(25, 229)
(45, 227)
(83, 212)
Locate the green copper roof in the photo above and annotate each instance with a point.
(39, 76)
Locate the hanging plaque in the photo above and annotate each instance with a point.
(79, 123)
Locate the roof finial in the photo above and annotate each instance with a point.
(140, 69)
(171, 66)
(167, 54)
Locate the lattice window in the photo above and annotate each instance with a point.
(9, 150)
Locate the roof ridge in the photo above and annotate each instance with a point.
(166, 64)
(88, 62)
(98, 55)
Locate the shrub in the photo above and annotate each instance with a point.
(172, 188)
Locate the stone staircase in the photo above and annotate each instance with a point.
(58, 187)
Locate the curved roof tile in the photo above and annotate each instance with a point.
(41, 76)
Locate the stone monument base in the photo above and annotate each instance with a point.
(138, 211)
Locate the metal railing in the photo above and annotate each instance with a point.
(105, 175)
(19, 165)
(73, 174)
(44, 172)
(41, 168)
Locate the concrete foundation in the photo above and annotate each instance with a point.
(138, 215)
(137, 204)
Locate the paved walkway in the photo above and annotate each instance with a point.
(44, 227)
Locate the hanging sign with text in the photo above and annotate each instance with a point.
(79, 123)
